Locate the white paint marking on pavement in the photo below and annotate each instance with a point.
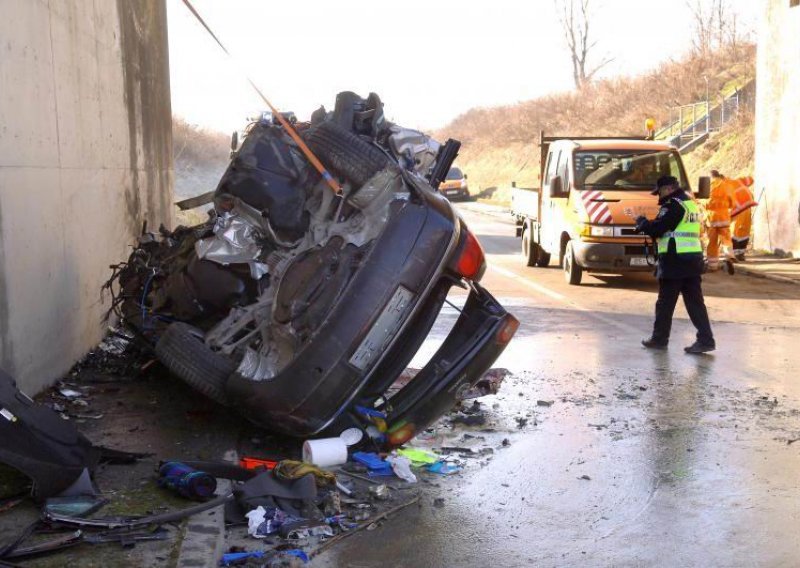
(561, 298)
(538, 287)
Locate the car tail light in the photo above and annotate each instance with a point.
(469, 261)
(508, 330)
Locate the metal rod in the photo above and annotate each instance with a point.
(330, 542)
(356, 476)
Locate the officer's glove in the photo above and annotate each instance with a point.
(640, 222)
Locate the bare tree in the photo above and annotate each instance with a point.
(715, 25)
(575, 18)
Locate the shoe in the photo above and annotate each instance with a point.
(729, 267)
(698, 347)
(739, 258)
(651, 343)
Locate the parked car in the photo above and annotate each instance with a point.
(298, 307)
(455, 184)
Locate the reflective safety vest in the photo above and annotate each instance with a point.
(742, 196)
(687, 234)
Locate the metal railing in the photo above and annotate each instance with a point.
(695, 121)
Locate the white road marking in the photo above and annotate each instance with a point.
(538, 287)
(563, 299)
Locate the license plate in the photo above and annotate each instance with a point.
(641, 261)
(383, 330)
(452, 192)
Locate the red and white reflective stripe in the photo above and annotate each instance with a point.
(597, 210)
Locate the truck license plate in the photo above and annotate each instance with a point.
(452, 192)
(639, 261)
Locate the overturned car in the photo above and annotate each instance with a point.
(298, 306)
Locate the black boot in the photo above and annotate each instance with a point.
(697, 347)
(651, 343)
(729, 267)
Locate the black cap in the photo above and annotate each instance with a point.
(665, 181)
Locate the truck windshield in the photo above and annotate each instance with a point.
(625, 169)
(454, 173)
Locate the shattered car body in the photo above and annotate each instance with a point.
(298, 306)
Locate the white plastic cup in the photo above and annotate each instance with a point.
(325, 452)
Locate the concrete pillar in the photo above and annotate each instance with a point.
(85, 158)
(777, 218)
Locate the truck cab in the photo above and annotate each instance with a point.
(592, 190)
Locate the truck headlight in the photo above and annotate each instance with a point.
(601, 231)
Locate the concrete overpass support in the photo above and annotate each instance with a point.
(85, 159)
(777, 218)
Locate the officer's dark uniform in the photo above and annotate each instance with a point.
(678, 274)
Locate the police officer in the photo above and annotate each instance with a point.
(680, 264)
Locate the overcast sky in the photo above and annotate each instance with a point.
(428, 60)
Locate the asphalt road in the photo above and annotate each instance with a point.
(643, 459)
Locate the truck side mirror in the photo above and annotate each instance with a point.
(556, 187)
(465, 176)
(704, 187)
(513, 184)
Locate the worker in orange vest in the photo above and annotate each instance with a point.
(718, 220)
(742, 215)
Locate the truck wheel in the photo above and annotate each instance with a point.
(572, 272)
(544, 259)
(182, 350)
(345, 153)
(530, 250)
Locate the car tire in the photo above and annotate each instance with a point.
(530, 250)
(544, 259)
(345, 153)
(182, 350)
(572, 272)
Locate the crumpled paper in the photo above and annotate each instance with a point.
(264, 522)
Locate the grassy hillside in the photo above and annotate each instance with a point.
(730, 151)
(500, 144)
(201, 157)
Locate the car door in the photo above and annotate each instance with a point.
(549, 213)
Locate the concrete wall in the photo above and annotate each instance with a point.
(777, 222)
(85, 158)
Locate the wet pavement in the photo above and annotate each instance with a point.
(643, 458)
(594, 452)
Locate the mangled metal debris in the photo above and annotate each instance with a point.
(36, 441)
(294, 304)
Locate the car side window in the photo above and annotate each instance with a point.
(563, 171)
(552, 165)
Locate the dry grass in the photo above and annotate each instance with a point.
(201, 157)
(730, 151)
(500, 144)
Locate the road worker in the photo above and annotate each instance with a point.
(742, 215)
(680, 264)
(718, 220)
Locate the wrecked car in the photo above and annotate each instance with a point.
(299, 307)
